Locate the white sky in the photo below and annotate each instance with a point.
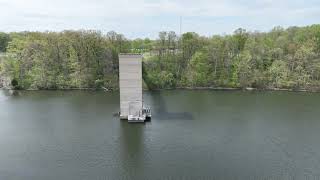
(145, 18)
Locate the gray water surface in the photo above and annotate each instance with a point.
(74, 135)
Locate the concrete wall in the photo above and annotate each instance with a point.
(130, 76)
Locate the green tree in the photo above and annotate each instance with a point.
(4, 40)
(199, 71)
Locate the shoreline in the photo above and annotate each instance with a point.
(237, 89)
(177, 88)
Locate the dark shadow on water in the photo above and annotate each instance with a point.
(175, 116)
(133, 152)
(160, 110)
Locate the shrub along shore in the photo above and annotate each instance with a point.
(281, 59)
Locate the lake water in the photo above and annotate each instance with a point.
(55, 135)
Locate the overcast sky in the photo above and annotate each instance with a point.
(145, 18)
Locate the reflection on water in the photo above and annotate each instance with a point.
(132, 147)
(4, 95)
(72, 135)
(164, 112)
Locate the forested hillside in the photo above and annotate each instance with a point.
(66, 60)
(282, 58)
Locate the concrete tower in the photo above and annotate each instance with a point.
(130, 77)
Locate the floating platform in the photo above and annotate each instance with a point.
(144, 116)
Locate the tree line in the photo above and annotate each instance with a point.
(278, 59)
(64, 60)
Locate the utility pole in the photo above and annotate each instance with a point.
(180, 35)
(180, 26)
